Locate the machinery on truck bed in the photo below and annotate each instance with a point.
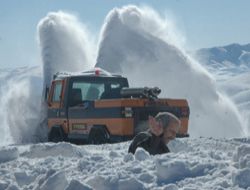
(98, 107)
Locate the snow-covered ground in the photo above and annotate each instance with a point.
(201, 163)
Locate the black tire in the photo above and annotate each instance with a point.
(56, 135)
(98, 136)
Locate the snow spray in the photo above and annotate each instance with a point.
(65, 45)
(141, 45)
(19, 97)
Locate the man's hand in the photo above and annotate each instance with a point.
(155, 127)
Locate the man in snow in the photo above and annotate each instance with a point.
(162, 128)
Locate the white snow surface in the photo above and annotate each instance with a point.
(201, 163)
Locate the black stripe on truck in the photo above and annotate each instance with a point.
(116, 112)
(75, 113)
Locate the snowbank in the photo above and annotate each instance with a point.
(242, 178)
(8, 154)
(195, 164)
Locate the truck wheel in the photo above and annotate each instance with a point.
(56, 135)
(98, 136)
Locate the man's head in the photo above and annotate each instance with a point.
(166, 123)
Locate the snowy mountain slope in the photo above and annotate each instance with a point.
(225, 62)
(193, 164)
(234, 53)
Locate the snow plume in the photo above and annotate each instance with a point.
(238, 88)
(20, 97)
(139, 44)
(65, 45)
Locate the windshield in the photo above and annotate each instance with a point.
(90, 90)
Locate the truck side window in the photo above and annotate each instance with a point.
(112, 91)
(89, 90)
(57, 92)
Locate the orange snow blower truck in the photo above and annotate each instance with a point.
(97, 107)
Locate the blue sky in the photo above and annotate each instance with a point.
(203, 23)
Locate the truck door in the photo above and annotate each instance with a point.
(81, 112)
(56, 109)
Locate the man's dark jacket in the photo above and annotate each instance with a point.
(151, 143)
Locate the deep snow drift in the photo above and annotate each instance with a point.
(136, 42)
(193, 164)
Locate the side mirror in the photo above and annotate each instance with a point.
(46, 93)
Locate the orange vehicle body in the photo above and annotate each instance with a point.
(93, 118)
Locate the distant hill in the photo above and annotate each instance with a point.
(233, 54)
